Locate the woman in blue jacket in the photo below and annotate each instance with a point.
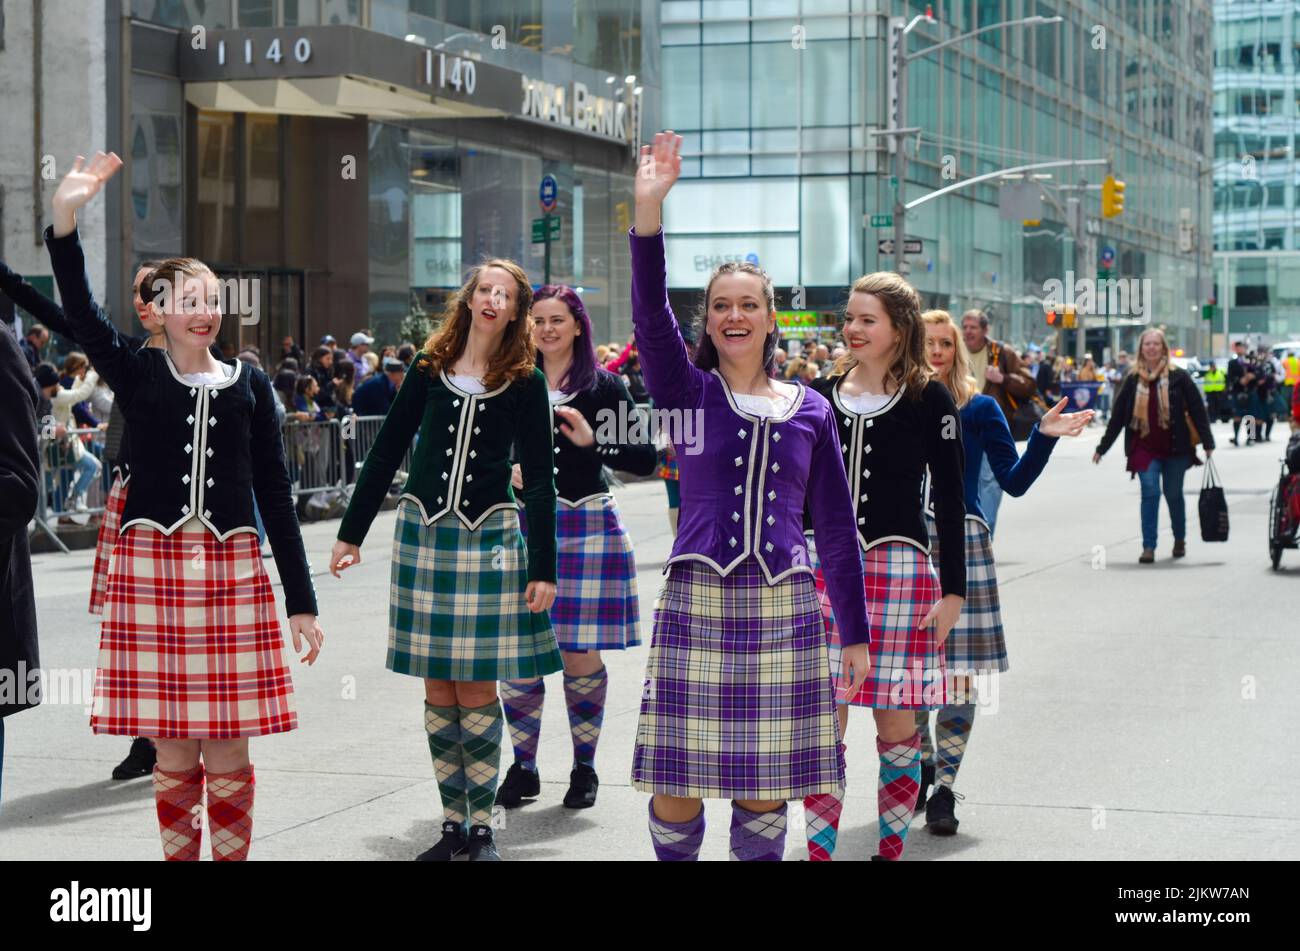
(976, 645)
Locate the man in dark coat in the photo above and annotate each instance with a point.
(19, 475)
(373, 397)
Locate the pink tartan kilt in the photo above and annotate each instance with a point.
(104, 541)
(191, 647)
(907, 666)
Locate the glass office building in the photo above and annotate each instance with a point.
(1256, 105)
(355, 157)
(777, 101)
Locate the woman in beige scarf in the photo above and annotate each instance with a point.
(1153, 408)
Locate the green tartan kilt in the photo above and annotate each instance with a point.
(456, 610)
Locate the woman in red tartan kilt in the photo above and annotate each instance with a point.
(191, 651)
(895, 423)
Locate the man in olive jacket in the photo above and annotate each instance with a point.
(19, 472)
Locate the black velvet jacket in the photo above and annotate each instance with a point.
(198, 451)
(886, 454)
(608, 408)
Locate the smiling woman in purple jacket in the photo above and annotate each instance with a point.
(738, 702)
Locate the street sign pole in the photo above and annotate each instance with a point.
(546, 252)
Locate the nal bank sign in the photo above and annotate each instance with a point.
(576, 107)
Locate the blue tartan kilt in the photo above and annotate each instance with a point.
(596, 605)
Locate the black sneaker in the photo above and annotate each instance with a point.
(519, 784)
(583, 784)
(481, 846)
(927, 780)
(448, 847)
(940, 816)
(140, 761)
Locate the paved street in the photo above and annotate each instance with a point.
(1146, 715)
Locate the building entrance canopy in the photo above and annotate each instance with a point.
(338, 71)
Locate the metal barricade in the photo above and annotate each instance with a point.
(74, 481)
(364, 429)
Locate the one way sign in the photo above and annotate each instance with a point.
(910, 246)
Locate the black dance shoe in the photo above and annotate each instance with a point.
(519, 784)
(583, 784)
(940, 811)
(481, 846)
(449, 846)
(140, 761)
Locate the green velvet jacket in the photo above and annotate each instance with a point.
(460, 466)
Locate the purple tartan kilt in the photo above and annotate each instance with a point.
(596, 605)
(737, 701)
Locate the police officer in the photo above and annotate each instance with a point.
(1215, 382)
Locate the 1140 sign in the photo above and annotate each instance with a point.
(275, 51)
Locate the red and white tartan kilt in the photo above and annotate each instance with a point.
(907, 664)
(190, 647)
(104, 542)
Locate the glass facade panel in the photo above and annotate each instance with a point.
(157, 167)
(215, 186)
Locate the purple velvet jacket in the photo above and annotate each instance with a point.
(744, 492)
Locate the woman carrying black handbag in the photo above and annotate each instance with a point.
(1154, 406)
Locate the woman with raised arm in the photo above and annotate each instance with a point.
(467, 606)
(896, 423)
(737, 702)
(191, 653)
(596, 606)
(976, 645)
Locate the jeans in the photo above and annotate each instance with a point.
(88, 468)
(1172, 470)
(990, 494)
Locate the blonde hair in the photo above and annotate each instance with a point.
(960, 381)
(1164, 342)
(909, 369)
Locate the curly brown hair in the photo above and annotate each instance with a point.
(909, 368)
(514, 356)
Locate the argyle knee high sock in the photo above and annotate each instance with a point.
(923, 727)
(523, 707)
(676, 841)
(230, 814)
(443, 727)
(821, 817)
(900, 778)
(757, 836)
(178, 798)
(585, 698)
(952, 731)
(480, 742)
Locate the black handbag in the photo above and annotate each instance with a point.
(1213, 506)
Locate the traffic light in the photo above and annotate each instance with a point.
(1112, 197)
(1051, 318)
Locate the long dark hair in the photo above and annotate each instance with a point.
(706, 354)
(581, 375)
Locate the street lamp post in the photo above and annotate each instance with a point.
(898, 60)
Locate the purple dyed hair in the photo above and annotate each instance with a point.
(582, 371)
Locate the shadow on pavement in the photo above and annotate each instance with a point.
(75, 802)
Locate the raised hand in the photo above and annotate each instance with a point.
(661, 163)
(83, 182)
(1056, 423)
